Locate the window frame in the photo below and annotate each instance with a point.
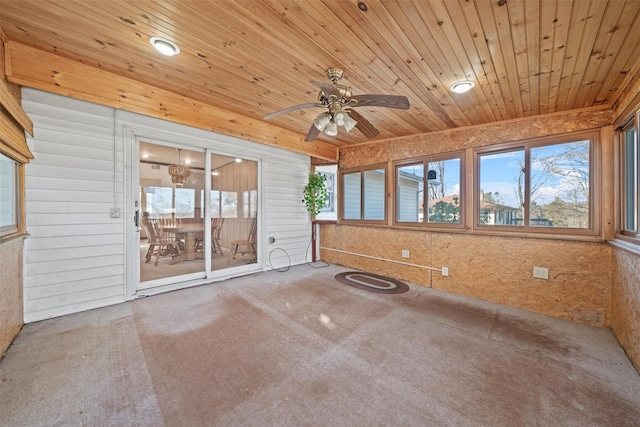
(632, 120)
(595, 185)
(18, 228)
(425, 160)
(342, 194)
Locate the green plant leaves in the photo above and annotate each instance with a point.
(315, 193)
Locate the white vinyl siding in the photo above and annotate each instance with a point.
(287, 219)
(408, 200)
(374, 194)
(364, 195)
(352, 194)
(76, 254)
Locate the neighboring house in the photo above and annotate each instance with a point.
(498, 214)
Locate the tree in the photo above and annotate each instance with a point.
(445, 212)
(568, 162)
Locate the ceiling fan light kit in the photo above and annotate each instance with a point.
(322, 120)
(339, 102)
(331, 129)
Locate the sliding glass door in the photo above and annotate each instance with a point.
(234, 211)
(171, 213)
(186, 234)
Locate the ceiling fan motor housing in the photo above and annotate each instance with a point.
(335, 74)
(339, 102)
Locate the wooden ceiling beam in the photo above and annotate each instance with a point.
(42, 70)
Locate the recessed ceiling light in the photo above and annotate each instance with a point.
(164, 46)
(462, 86)
(238, 160)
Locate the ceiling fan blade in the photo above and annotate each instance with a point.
(364, 125)
(290, 109)
(328, 89)
(387, 101)
(312, 134)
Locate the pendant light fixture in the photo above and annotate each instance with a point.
(179, 172)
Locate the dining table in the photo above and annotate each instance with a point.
(189, 231)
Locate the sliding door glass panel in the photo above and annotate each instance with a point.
(171, 224)
(234, 211)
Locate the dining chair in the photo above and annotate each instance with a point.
(248, 244)
(216, 229)
(166, 242)
(151, 238)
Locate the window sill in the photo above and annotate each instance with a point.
(488, 233)
(325, 221)
(626, 246)
(12, 237)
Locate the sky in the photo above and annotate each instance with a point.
(557, 171)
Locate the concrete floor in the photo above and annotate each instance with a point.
(299, 348)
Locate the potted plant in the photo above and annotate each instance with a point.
(315, 193)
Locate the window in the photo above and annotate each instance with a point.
(363, 194)
(441, 177)
(629, 160)
(160, 202)
(250, 204)
(329, 212)
(541, 186)
(9, 204)
(229, 204)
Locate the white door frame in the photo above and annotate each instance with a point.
(132, 134)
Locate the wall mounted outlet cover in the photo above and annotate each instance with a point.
(541, 273)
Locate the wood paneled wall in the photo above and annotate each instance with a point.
(625, 302)
(490, 267)
(625, 290)
(41, 70)
(11, 312)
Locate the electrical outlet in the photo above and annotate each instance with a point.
(405, 253)
(114, 213)
(445, 271)
(541, 273)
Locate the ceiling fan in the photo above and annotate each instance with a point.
(340, 104)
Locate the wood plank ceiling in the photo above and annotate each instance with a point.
(255, 57)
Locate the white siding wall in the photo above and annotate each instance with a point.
(75, 256)
(408, 200)
(287, 218)
(352, 195)
(374, 194)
